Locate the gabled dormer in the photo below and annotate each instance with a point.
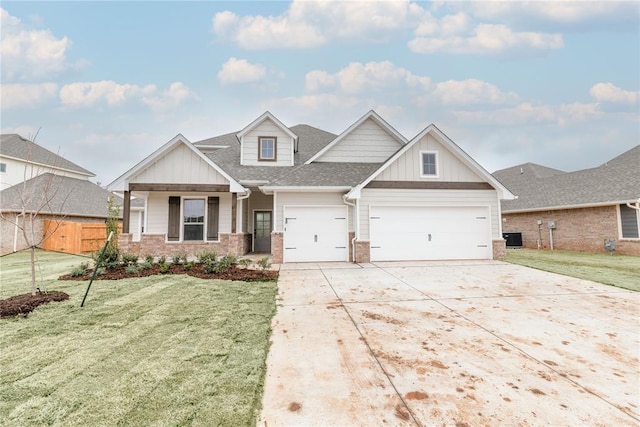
(267, 142)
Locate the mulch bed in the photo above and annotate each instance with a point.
(234, 273)
(25, 304)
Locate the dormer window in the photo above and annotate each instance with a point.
(267, 148)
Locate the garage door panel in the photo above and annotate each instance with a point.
(314, 234)
(421, 233)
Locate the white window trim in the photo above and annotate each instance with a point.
(420, 164)
(206, 221)
(5, 167)
(619, 219)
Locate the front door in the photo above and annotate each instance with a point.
(262, 231)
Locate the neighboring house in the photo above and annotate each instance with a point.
(21, 159)
(304, 194)
(586, 207)
(38, 180)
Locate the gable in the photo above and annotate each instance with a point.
(368, 143)
(267, 128)
(177, 166)
(408, 167)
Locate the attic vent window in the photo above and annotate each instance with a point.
(267, 148)
(3, 167)
(429, 164)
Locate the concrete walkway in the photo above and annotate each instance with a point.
(455, 344)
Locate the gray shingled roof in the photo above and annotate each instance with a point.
(327, 174)
(310, 141)
(13, 145)
(540, 188)
(68, 196)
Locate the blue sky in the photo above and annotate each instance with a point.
(107, 83)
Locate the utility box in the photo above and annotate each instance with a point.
(609, 245)
(551, 224)
(513, 240)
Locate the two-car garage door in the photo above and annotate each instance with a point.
(429, 233)
(313, 233)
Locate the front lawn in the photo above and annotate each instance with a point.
(617, 270)
(160, 350)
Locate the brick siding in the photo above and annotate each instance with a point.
(499, 249)
(582, 230)
(156, 244)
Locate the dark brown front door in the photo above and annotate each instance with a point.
(262, 231)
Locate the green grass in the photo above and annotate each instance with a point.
(616, 270)
(162, 350)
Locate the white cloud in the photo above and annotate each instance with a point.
(30, 53)
(608, 92)
(471, 91)
(488, 39)
(313, 23)
(370, 77)
(529, 114)
(240, 71)
(84, 94)
(22, 95)
(177, 94)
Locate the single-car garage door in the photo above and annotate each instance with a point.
(429, 233)
(316, 233)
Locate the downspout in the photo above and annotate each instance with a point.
(357, 230)
(635, 205)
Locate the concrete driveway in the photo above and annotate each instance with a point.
(450, 343)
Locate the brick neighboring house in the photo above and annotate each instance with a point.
(586, 206)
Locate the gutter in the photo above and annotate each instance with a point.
(557, 208)
(357, 221)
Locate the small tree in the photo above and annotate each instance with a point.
(39, 193)
(112, 252)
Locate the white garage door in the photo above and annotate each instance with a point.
(421, 233)
(316, 234)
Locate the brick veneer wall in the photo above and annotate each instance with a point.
(277, 247)
(581, 229)
(156, 244)
(499, 249)
(363, 251)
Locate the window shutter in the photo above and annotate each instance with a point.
(173, 229)
(213, 210)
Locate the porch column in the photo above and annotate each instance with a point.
(126, 212)
(234, 211)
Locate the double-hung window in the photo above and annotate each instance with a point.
(267, 148)
(429, 164)
(199, 219)
(629, 222)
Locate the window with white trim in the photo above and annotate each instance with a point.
(199, 218)
(3, 167)
(267, 148)
(429, 164)
(629, 222)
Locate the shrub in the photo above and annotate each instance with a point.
(225, 263)
(145, 265)
(264, 263)
(164, 268)
(175, 259)
(209, 266)
(188, 265)
(130, 259)
(100, 271)
(207, 257)
(131, 269)
(148, 258)
(162, 260)
(180, 257)
(80, 270)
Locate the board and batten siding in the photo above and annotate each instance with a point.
(158, 210)
(284, 145)
(408, 166)
(435, 198)
(307, 199)
(368, 143)
(181, 165)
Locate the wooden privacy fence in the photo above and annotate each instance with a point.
(80, 238)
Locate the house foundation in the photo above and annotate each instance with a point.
(499, 249)
(156, 244)
(277, 247)
(363, 252)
